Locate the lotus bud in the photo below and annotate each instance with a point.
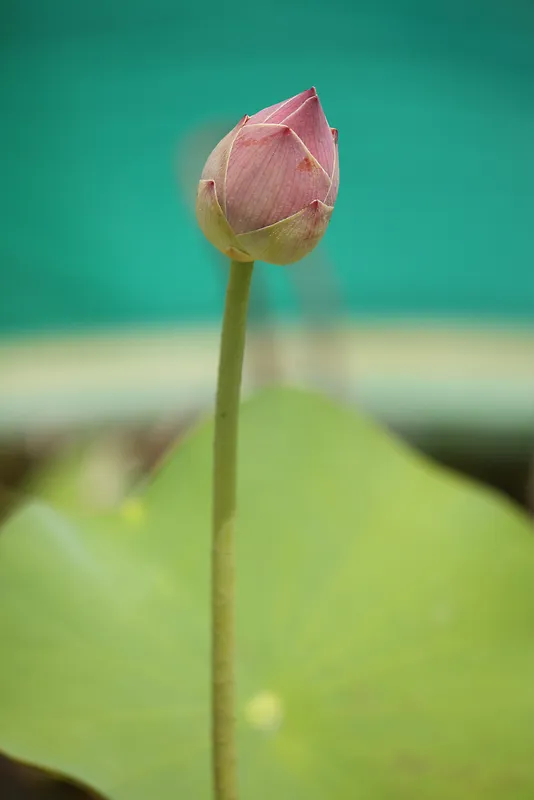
(268, 189)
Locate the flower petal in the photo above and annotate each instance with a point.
(213, 223)
(291, 239)
(271, 175)
(276, 113)
(309, 123)
(332, 192)
(215, 166)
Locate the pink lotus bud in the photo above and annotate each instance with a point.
(268, 190)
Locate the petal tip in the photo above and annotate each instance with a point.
(334, 134)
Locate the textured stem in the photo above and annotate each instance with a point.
(224, 510)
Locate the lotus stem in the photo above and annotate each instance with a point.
(223, 522)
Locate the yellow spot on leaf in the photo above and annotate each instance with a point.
(133, 511)
(265, 712)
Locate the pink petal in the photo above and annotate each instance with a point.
(332, 192)
(291, 239)
(277, 112)
(213, 224)
(262, 115)
(270, 176)
(309, 123)
(215, 166)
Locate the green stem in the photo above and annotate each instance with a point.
(224, 510)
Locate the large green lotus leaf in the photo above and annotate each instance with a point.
(85, 475)
(385, 625)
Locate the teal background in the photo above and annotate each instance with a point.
(434, 102)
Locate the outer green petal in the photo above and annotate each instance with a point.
(289, 240)
(213, 223)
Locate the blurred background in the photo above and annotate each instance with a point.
(418, 306)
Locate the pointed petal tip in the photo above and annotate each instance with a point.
(318, 206)
(313, 91)
(271, 129)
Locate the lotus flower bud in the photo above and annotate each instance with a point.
(268, 189)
